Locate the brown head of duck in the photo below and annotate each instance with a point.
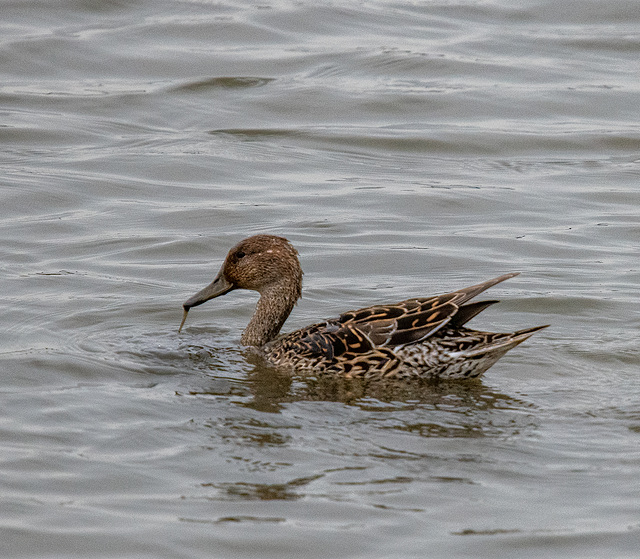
(264, 263)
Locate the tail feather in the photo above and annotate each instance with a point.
(500, 346)
(469, 293)
(467, 312)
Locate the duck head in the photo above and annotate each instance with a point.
(264, 263)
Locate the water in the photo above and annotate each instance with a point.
(405, 149)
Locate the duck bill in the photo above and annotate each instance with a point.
(217, 287)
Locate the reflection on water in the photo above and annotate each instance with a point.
(289, 491)
(224, 83)
(446, 408)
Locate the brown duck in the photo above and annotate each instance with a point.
(422, 337)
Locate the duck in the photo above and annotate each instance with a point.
(422, 337)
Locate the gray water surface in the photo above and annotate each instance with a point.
(406, 149)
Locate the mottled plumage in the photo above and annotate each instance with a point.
(423, 337)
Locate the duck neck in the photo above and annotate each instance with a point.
(272, 310)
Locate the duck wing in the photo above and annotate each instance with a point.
(414, 320)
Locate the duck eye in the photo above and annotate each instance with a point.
(240, 254)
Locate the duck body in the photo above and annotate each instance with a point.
(415, 338)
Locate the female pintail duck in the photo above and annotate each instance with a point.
(422, 337)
